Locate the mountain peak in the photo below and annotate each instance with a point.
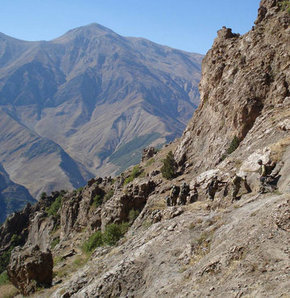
(92, 29)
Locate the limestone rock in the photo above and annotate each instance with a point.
(30, 268)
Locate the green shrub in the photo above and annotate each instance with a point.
(124, 226)
(4, 259)
(133, 214)
(80, 189)
(95, 240)
(112, 234)
(4, 278)
(136, 171)
(108, 195)
(234, 145)
(285, 5)
(169, 167)
(97, 200)
(54, 207)
(43, 195)
(54, 242)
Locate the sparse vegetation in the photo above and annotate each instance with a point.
(169, 167)
(285, 5)
(133, 214)
(54, 242)
(95, 240)
(108, 195)
(52, 210)
(112, 234)
(97, 200)
(43, 195)
(233, 145)
(5, 256)
(4, 278)
(136, 172)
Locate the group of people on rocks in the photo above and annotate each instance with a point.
(181, 195)
(269, 176)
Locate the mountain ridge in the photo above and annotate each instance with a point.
(84, 90)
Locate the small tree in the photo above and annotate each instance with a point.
(95, 240)
(169, 167)
(234, 145)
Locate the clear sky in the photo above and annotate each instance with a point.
(189, 25)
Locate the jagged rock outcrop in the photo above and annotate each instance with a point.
(16, 224)
(243, 78)
(148, 153)
(30, 268)
(134, 198)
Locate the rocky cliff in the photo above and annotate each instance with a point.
(139, 246)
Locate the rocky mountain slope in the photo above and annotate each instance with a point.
(118, 238)
(12, 196)
(87, 102)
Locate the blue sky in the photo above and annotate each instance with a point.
(189, 25)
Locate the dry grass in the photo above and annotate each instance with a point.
(158, 205)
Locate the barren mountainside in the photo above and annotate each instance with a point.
(121, 238)
(87, 102)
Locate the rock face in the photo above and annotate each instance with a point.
(148, 153)
(111, 94)
(239, 87)
(134, 198)
(30, 268)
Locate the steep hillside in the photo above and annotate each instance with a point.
(120, 238)
(13, 197)
(95, 96)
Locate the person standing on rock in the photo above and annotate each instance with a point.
(193, 195)
(168, 201)
(236, 186)
(184, 191)
(213, 187)
(266, 179)
(174, 195)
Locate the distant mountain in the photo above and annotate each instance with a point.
(86, 103)
(13, 196)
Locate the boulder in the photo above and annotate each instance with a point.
(148, 153)
(30, 268)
